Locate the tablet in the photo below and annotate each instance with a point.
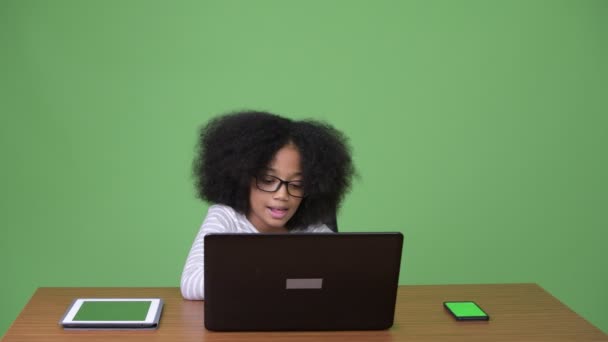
(113, 313)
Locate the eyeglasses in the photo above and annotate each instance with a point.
(269, 183)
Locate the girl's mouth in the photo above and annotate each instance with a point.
(277, 213)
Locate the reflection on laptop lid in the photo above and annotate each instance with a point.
(302, 281)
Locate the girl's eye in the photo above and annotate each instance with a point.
(296, 185)
(268, 180)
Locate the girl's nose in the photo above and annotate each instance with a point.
(281, 193)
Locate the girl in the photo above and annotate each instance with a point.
(266, 174)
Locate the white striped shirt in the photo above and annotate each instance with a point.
(219, 219)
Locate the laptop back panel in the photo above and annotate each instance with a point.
(266, 282)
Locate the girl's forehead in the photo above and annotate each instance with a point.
(287, 160)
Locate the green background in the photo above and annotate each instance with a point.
(479, 129)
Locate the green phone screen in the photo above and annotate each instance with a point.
(113, 311)
(466, 310)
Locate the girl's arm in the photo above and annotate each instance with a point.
(219, 219)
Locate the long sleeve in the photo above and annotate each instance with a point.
(219, 219)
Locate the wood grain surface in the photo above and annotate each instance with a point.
(519, 312)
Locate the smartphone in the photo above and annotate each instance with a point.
(466, 311)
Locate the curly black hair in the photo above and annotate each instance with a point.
(235, 147)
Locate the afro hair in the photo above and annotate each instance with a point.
(234, 148)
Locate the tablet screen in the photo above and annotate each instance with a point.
(113, 311)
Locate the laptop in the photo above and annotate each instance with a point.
(301, 281)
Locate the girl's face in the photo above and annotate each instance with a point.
(270, 210)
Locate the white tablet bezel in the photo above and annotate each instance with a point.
(150, 317)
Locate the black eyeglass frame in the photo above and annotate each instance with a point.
(281, 182)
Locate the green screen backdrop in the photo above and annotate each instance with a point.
(479, 130)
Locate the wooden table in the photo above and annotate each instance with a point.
(519, 312)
